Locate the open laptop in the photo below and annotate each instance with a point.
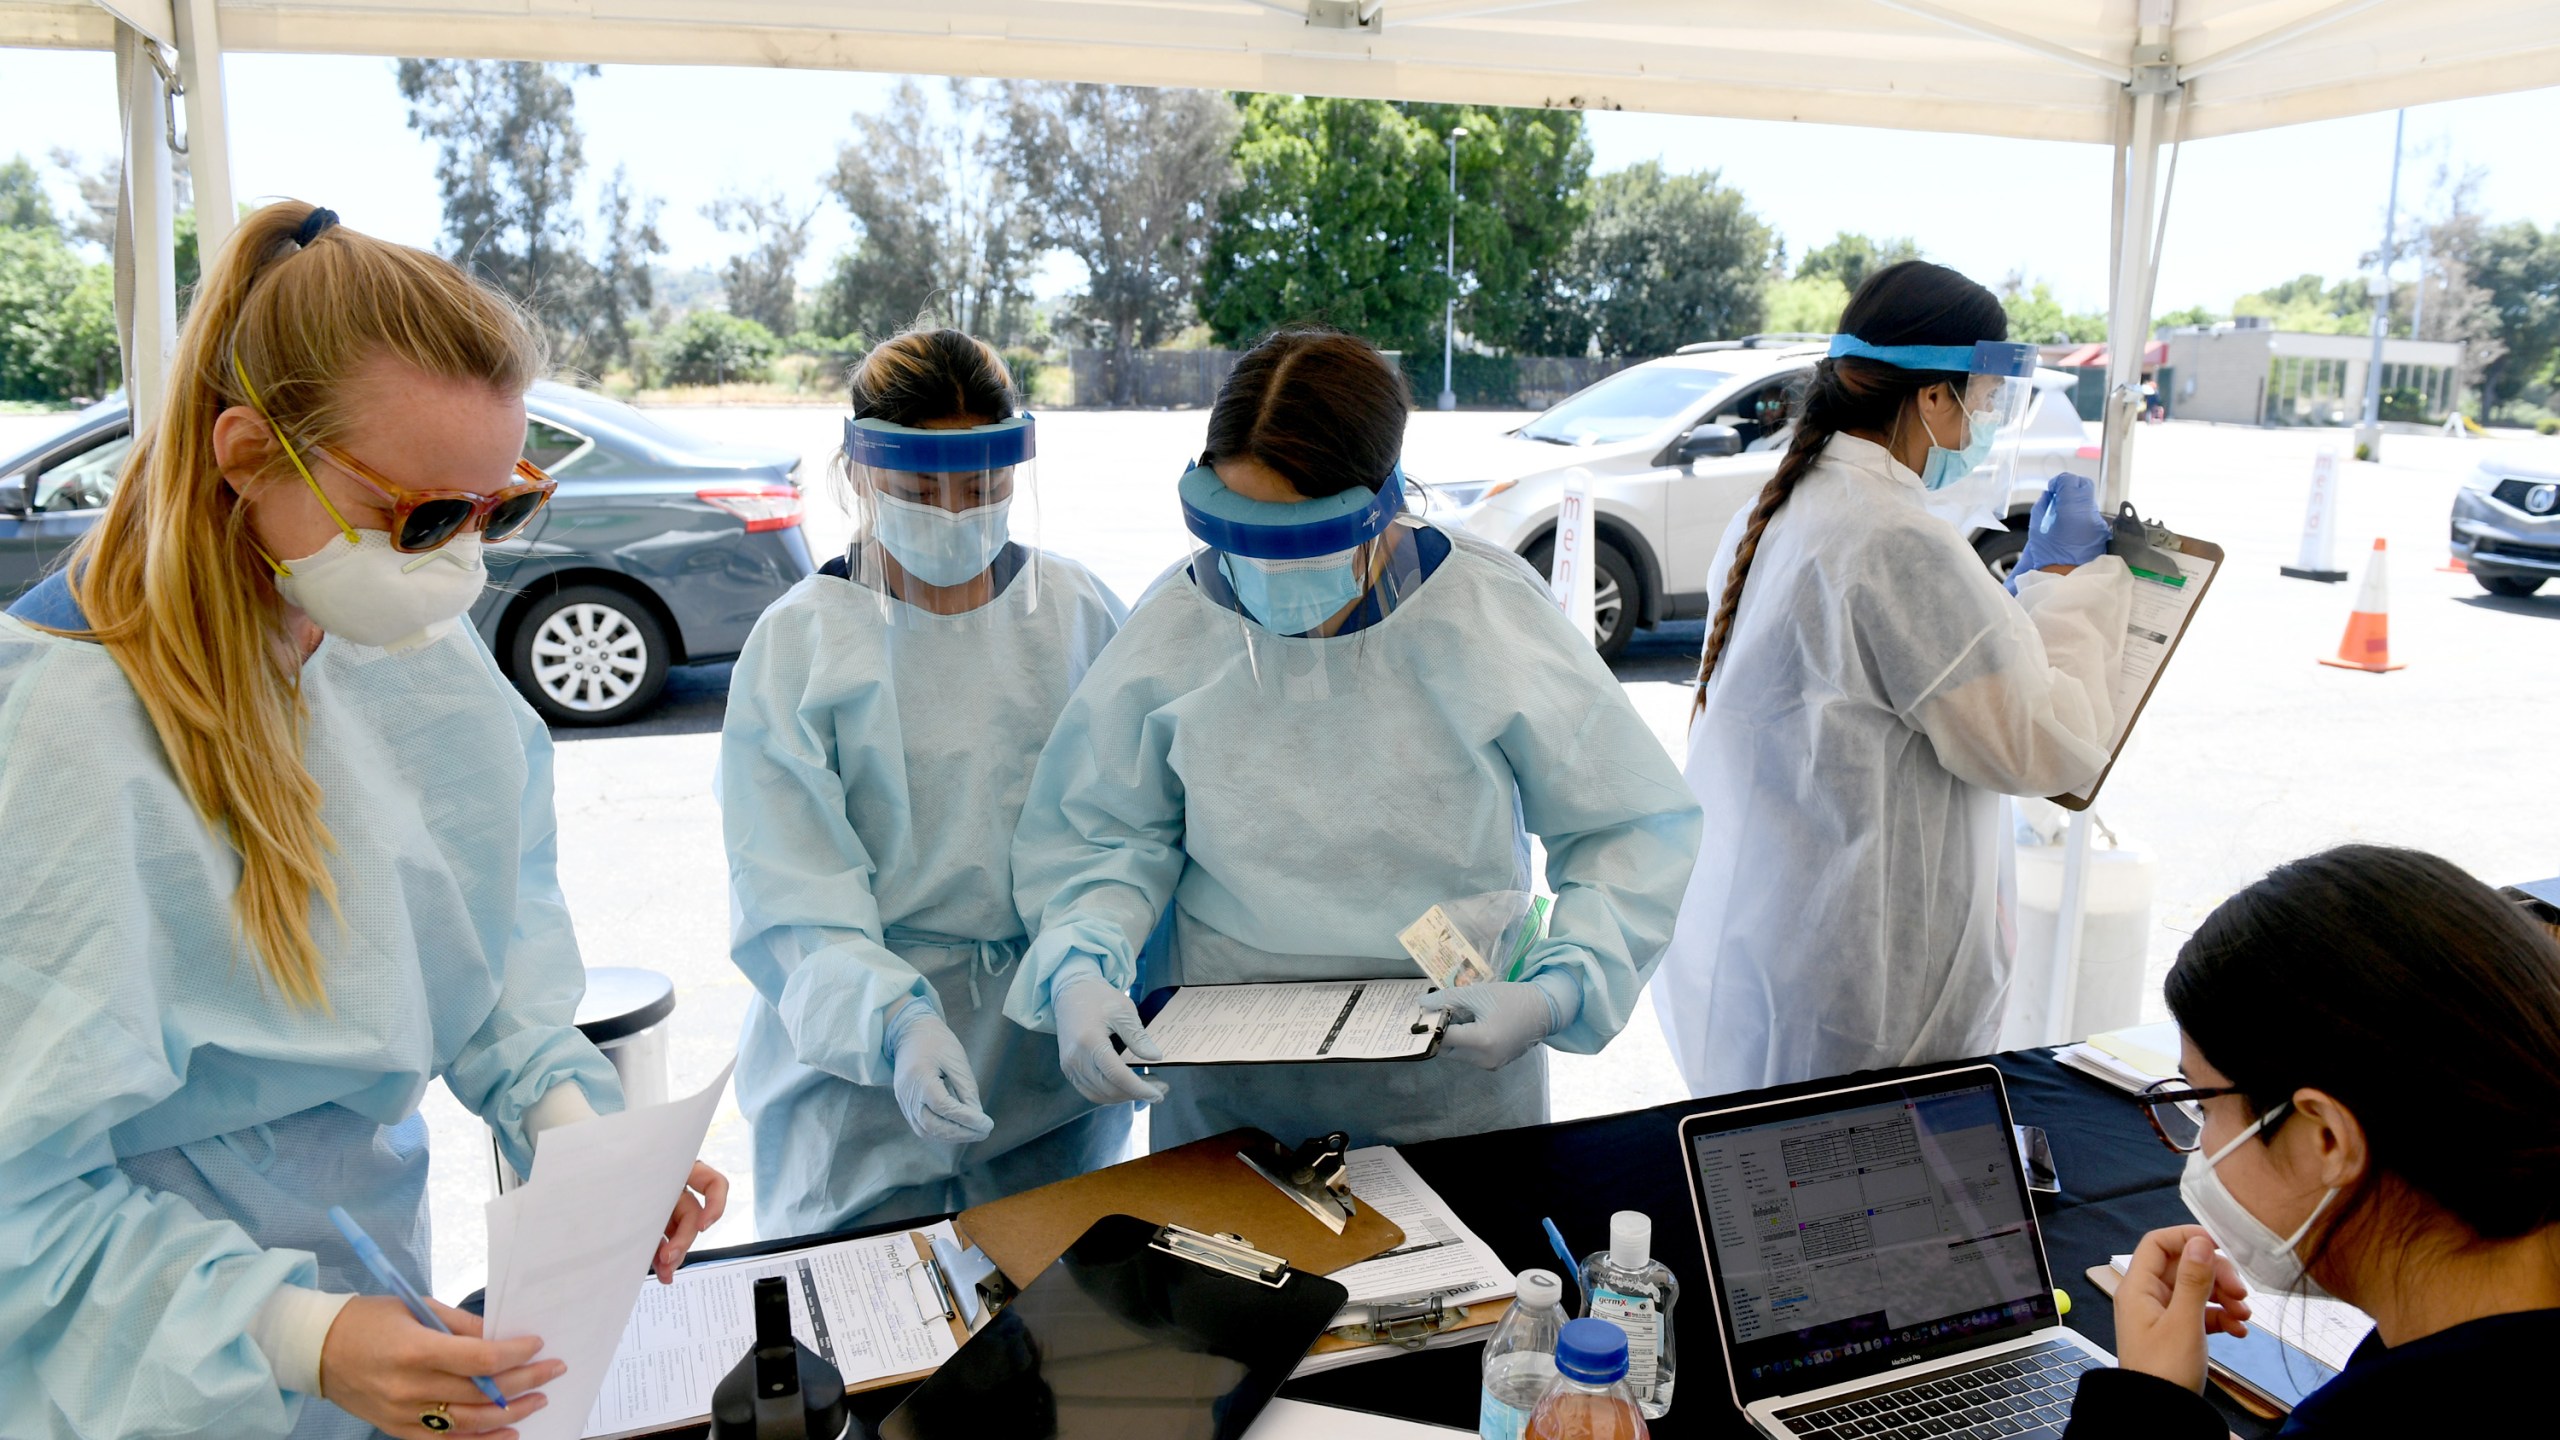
(1876, 1265)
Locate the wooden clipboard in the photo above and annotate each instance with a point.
(928, 1266)
(2188, 548)
(1200, 1186)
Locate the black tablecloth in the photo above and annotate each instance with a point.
(2117, 1180)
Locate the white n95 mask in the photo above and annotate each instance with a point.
(2266, 1260)
(372, 594)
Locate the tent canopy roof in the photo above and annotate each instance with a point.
(2037, 69)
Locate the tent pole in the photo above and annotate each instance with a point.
(208, 125)
(146, 260)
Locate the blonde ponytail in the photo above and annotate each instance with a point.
(171, 581)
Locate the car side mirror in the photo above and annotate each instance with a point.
(13, 495)
(1707, 442)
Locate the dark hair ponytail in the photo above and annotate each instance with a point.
(2426, 1003)
(1322, 407)
(1912, 303)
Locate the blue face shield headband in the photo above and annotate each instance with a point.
(2006, 359)
(933, 544)
(1291, 566)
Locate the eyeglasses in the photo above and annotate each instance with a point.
(422, 520)
(2177, 1111)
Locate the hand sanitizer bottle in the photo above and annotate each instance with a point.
(1624, 1284)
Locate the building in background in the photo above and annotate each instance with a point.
(2246, 372)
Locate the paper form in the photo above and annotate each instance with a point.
(2326, 1330)
(569, 1249)
(1439, 1256)
(852, 1302)
(1294, 1021)
(2161, 604)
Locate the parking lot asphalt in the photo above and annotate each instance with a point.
(2250, 752)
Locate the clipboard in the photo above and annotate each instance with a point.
(1157, 1000)
(1204, 1186)
(2146, 548)
(1136, 1329)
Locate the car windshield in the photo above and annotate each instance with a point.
(1624, 406)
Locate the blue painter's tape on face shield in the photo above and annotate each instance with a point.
(2010, 358)
(1291, 566)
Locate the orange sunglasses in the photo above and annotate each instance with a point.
(422, 520)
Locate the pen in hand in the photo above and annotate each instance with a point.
(398, 1284)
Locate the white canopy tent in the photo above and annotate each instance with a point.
(2139, 75)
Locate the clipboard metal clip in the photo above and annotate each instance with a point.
(1407, 1325)
(1222, 1252)
(1315, 1175)
(2144, 544)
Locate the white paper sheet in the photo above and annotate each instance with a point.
(2160, 610)
(569, 1249)
(1439, 1256)
(2326, 1330)
(1298, 1420)
(1294, 1021)
(852, 1302)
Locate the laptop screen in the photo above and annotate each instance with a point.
(1855, 1231)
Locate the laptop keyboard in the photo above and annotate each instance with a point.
(2024, 1394)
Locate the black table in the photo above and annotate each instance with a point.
(2118, 1181)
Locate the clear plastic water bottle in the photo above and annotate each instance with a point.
(1520, 1359)
(1626, 1286)
(1589, 1399)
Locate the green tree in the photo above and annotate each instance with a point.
(762, 281)
(57, 320)
(1341, 212)
(2518, 264)
(1851, 257)
(1807, 304)
(2311, 304)
(940, 224)
(713, 347)
(1662, 260)
(1126, 179)
(24, 202)
(2196, 316)
(623, 286)
(2039, 319)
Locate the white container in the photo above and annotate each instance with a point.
(2115, 945)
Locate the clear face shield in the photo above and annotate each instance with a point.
(947, 519)
(1968, 475)
(1304, 580)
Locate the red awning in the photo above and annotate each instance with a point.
(2154, 355)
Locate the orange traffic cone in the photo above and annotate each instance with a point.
(2453, 565)
(2367, 643)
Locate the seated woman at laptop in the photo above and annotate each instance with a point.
(2372, 1049)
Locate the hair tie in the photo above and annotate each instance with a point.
(320, 218)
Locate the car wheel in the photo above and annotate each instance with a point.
(2000, 550)
(2513, 588)
(589, 655)
(1616, 599)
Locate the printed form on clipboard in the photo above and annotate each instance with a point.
(2171, 573)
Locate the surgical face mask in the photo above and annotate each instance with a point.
(370, 593)
(1944, 466)
(938, 546)
(1292, 597)
(2266, 1260)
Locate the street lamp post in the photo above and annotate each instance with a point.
(2369, 434)
(1449, 316)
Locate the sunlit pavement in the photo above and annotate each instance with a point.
(2249, 754)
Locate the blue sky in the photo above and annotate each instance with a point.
(2249, 210)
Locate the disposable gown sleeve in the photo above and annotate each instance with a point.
(124, 1308)
(530, 1042)
(2015, 696)
(1620, 827)
(804, 925)
(1098, 850)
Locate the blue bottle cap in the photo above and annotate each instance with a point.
(1592, 1351)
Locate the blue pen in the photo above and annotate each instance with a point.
(380, 1264)
(1555, 1237)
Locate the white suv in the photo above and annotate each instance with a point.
(1675, 446)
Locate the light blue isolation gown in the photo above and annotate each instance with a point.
(172, 1130)
(1295, 837)
(871, 769)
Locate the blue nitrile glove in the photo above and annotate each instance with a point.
(933, 1084)
(1496, 1022)
(2065, 528)
(1090, 1011)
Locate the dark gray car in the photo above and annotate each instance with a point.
(660, 549)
